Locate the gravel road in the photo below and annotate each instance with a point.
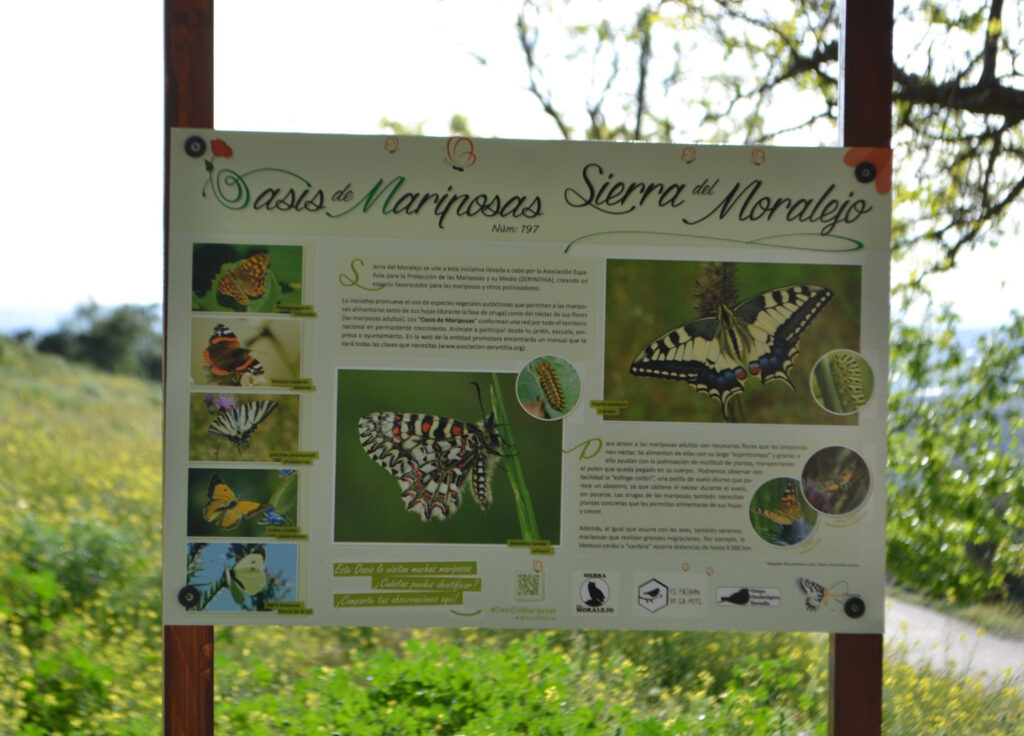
(944, 642)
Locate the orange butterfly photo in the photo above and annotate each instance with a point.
(246, 278)
(240, 351)
(240, 502)
(779, 514)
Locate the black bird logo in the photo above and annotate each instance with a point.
(596, 595)
(651, 595)
(741, 597)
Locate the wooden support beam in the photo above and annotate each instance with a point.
(865, 119)
(188, 102)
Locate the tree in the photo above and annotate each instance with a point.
(124, 339)
(727, 71)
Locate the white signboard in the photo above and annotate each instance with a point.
(450, 382)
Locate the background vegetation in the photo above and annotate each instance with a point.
(80, 628)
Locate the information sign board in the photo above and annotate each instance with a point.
(449, 382)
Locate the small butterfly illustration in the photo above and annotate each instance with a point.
(224, 508)
(247, 280)
(227, 358)
(238, 423)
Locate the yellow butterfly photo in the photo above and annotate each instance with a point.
(237, 502)
(224, 508)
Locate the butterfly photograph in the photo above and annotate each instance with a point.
(242, 577)
(240, 502)
(836, 480)
(244, 352)
(779, 514)
(242, 426)
(245, 278)
(422, 457)
(691, 341)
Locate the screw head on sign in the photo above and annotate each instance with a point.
(865, 172)
(188, 596)
(195, 146)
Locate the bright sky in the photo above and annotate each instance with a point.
(82, 85)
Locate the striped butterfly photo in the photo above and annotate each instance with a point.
(241, 426)
(694, 341)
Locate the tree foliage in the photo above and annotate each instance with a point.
(956, 472)
(123, 339)
(757, 72)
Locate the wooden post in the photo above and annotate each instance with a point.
(865, 119)
(188, 101)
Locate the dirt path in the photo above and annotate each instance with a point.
(948, 643)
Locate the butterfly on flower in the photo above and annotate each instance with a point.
(433, 457)
(224, 508)
(226, 357)
(247, 280)
(239, 422)
(715, 354)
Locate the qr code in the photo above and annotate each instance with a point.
(529, 586)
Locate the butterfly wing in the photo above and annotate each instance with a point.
(224, 508)
(787, 512)
(432, 457)
(247, 280)
(249, 573)
(777, 319)
(238, 423)
(226, 357)
(716, 354)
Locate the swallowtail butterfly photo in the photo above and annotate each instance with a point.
(716, 354)
(238, 423)
(433, 457)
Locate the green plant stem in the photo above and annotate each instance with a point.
(516, 478)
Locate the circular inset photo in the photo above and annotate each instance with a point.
(779, 514)
(836, 481)
(548, 387)
(842, 382)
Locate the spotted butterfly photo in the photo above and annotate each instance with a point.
(433, 457)
(415, 446)
(725, 342)
(245, 278)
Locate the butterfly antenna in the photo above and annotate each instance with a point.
(479, 397)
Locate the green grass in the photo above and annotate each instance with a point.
(80, 629)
